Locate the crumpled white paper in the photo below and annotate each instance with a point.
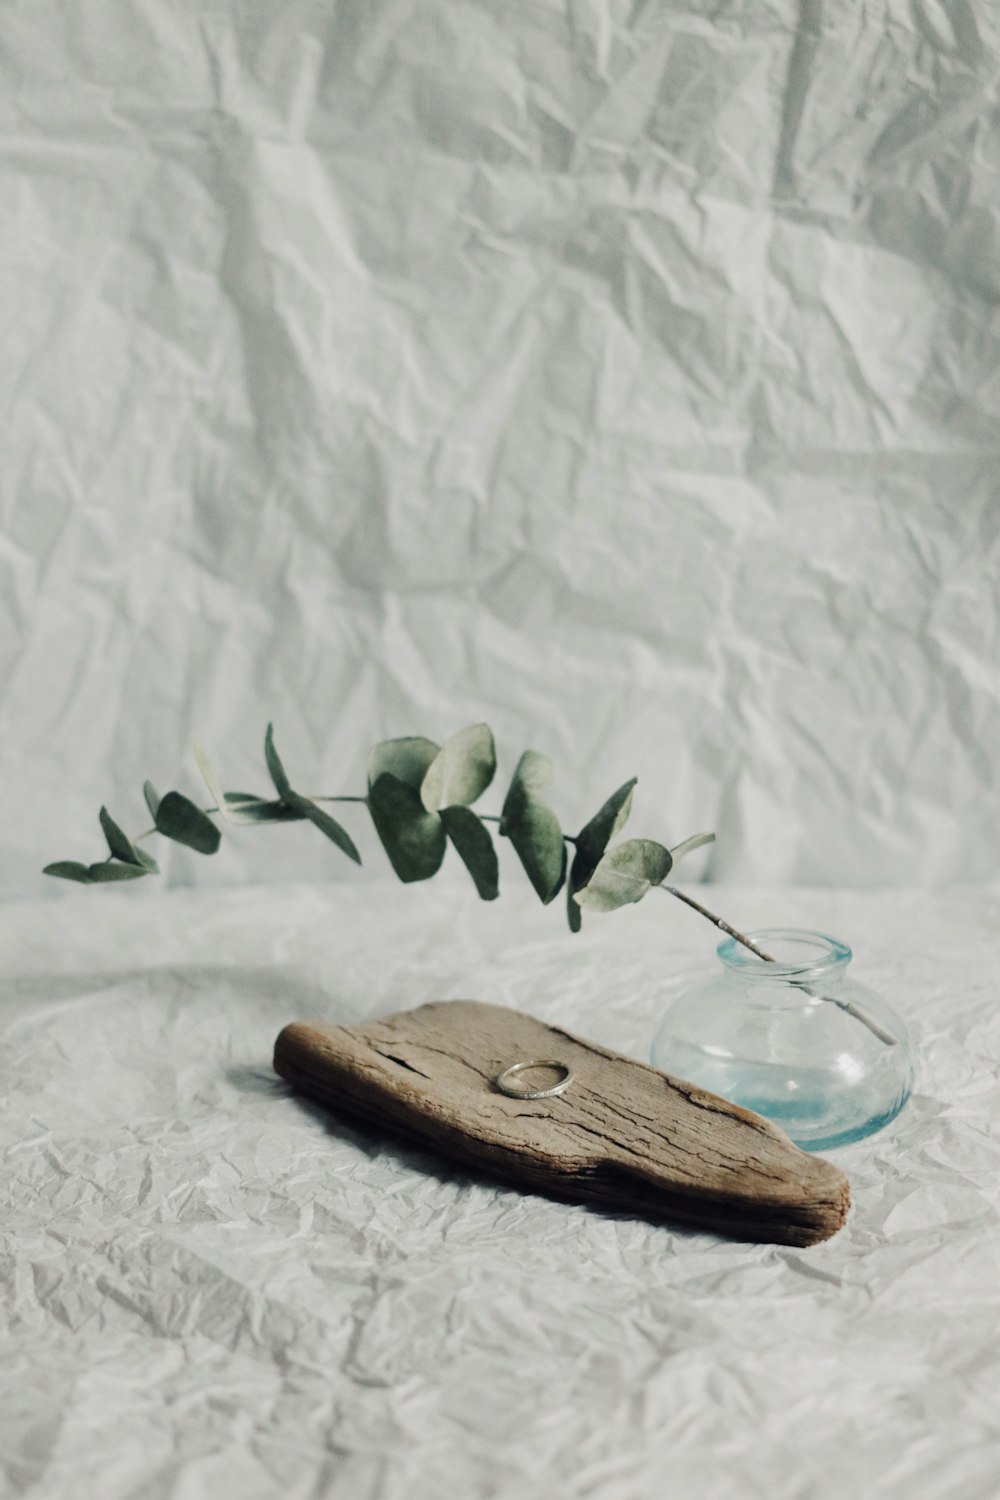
(627, 377)
(213, 1288)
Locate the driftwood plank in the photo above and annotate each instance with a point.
(623, 1134)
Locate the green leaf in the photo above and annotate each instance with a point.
(122, 848)
(534, 830)
(152, 800)
(533, 827)
(303, 805)
(69, 869)
(211, 780)
(413, 838)
(282, 785)
(407, 759)
(594, 837)
(696, 841)
(591, 842)
(462, 769)
(259, 810)
(118, 842)
(574, 915)
(471, 838)
(102, 874)
(625, 874)
(179, 819)
(327, 825)
(532, 774)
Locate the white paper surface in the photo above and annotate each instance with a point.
(624, 376)
(212, 1288)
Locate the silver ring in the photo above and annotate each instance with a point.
(503, 1084)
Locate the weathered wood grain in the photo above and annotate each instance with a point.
(623, 1134)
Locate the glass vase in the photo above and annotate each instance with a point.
(797, 1040)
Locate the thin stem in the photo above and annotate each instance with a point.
(722, 925)
(848, 1006)
(338, 799)
(262, 802)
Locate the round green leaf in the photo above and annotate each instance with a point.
(534, 830)
(462, 769)
(471, 838)
(69, 869)
(611, 817)
(574, 915)
(179, 819)
(591, 842)
(407, 759)
(119, 843)
(413, 838)
(122, 848)
(625, 874)
(533, 827)
(532, 773)
(105, 873)
(152, 799)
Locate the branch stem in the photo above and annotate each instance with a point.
(336, 799)
(848, 1006)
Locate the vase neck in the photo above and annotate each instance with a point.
(799, 956)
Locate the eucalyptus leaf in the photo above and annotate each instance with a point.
(122, 847)
(179, 819)
(327, 825)
(407, 759)
(611, 817)
(534, 830)
(105, 873)
(696, 841)
(69, 869)
(260, 810)
(591, 842)
(119, 843)
(625, 874)
(462, 769)
(533, 827)
(471, 838)
(413, 838)
(276, 770)
(152, 799)
(574, 915)
(532, 773)
(212, 781)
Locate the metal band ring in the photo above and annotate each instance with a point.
(503, 1084)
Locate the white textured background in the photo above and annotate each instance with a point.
(626, 375)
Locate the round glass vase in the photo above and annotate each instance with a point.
(797, 1040)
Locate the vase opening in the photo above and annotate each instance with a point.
(798, 955)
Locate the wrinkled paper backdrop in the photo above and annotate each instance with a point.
(626, 376)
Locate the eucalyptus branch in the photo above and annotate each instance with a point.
(722, 925)
(848, 1006)
(420, 798)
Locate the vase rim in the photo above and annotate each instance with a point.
(819, 953)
